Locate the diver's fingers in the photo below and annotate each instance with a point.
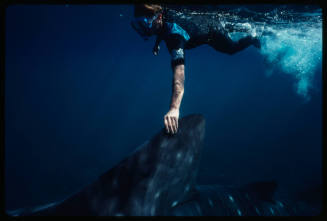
(173, 120)
(176, 124)
(166, 124)
(170, 125)
(172, 129)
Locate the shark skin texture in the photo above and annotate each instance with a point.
(159, 179)
(152, 179)
(217, 200)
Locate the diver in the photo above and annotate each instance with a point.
(179, 35)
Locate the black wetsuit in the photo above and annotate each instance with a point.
(201, 30)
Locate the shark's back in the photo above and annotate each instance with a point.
(255, 199)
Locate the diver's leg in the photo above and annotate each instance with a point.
(223, 43)
(246, 42)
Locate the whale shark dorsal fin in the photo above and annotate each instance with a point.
(261, 190)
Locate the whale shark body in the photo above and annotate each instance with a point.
(159, 179)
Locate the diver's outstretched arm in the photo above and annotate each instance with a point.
(171, 118)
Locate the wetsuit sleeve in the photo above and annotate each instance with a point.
(175, 44)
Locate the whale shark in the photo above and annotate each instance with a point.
(159, 179)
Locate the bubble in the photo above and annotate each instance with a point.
(157, 195)
(295, 51)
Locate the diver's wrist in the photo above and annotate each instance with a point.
(174, 108)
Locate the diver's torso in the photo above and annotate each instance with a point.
(198, 27)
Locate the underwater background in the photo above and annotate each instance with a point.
(83, 90)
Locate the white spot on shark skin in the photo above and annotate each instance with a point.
(210, 202)
(178, 156)
(257, 210)
(239, 212)
(272, 211)
(150, 184)
(280, 204)
(198, 208)
(190, 159)
(174, 204)
(164, 143)
(112, 205)
(157, 195)
(153, 210)
(187, 188)
(119, 214)
(231, 198)
(176, 180)
(136, 205)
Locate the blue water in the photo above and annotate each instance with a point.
(83, 90)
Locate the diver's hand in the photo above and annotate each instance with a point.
(156, 50)
(171, 120)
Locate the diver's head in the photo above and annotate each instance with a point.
(148, 20)
(147, 10)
